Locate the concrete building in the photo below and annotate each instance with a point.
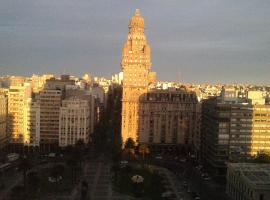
(38, 82)
(233, 130)
(17, 97)
(136, 65)
(3, 120)
(248, 181)
(74, 121)
(168, 117)
(50, 103)
(32, 122)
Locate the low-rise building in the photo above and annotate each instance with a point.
(248, 181)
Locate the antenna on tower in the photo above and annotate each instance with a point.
(179, 80)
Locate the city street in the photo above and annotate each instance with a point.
(98, 176)
(10, 178)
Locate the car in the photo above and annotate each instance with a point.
(185, 184)
(192, 156)
(159, 157)
(183, 160)
(124, 162)
(204, 175)
(206, 178)
(199, 167)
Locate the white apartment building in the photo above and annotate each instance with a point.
(74, 121)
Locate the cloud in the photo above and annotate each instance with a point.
(208, 37)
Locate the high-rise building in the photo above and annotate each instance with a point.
(32, 122)
(50, 103)
(17, 97)
(3, 120)
(136, 65)
(233, 130)
(74, 121)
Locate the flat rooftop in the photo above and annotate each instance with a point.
(256, 173)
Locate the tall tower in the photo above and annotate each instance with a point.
(136, 65)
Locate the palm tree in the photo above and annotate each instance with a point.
(143, 149)
(129, 146)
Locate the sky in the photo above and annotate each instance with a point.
(215, 41)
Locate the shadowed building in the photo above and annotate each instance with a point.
(233, 129)
(168, 117)
(74, 122)
(248, 181)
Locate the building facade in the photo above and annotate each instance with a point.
(3, 120)
(136, 66)
(74, 121)
(17, 97)
(32, 122)
(50, 103)
(248, 181)
(233, 130)
(168, 117)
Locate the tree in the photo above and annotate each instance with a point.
(129, 146)
(143, 149)
(262, 158)
(33, 181)
(72, 162)
(24, 166)
(57, 173)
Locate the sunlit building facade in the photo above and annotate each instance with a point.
(3, 120)
(17, 97)
(233, 130)
(74, 121)
(136, 66)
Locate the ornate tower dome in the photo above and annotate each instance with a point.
(136, 22)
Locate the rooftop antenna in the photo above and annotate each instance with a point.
(179, 79)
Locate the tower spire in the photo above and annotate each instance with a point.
(137, 12)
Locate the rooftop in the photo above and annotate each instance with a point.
(257, 174)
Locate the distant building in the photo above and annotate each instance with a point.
(38, 82)
(233, 130)
(248, 181)
(17, 80)
(3, 120)
(74, 121)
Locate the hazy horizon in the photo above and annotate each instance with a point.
(208, 41)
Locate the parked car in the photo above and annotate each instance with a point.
(159, 157)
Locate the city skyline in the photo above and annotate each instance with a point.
(221, 42)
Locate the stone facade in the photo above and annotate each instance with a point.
(136, 65)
